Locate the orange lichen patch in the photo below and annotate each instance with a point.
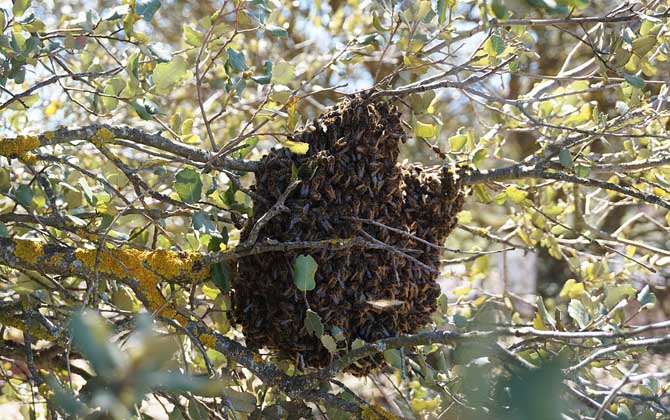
(28, 250)
(369, 414)
(208, 340)
(18, 146)
(149, 268)
(102, 136)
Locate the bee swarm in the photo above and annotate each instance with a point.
(349, 173)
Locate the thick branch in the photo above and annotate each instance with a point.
(521, 170)
(94, 132)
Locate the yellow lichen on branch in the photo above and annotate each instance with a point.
(149, 268)
(19, 147)
(368, 413)
(208, 340)
(102, 136)
(28, 250)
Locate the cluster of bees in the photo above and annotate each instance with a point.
(349, 178)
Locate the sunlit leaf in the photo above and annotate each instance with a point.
(297, 147)
(424, 130)
(188, 185)
(166, 75)
(283, 72)
(147, 8)
(304, 270)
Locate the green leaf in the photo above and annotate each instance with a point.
(442, 11)
(499, 9)
(615, 294)
(646, 297)
(283, 73)
(425, 130)
(313, 323)
(243, 402)
(329, 343)
(573, 3)
(457, 142)
(236, 60)
(193, 37)
(24, 195)
(196, 410)
(277, 31)
(644, 44)
(358, 343)
(577, 311)
(202, 222)
(377, 23)
(634, 81)
(497, 43)
(4, 233)
(582, 171)
(304, 270)
(393, 357)
(20, 6)
(565, 157)
(478, 156)
(32, 25)
(145, 109)
(421, 9)
(267, 74)
(188, 185)
(113, 88)
(166, 75)
(543, 314)
(147, 8)
(222, 275)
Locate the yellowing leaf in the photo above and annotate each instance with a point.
(537, 323)
(463, 290)
(615, 294)
(572, 289)
(193, 37)
(283, 72)
(166, 75)
(581, 117)
(465, 216)
(425, 130)
(515, 194)
(297, 147)
(457, 142)
(52, 108)
(418, 405)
